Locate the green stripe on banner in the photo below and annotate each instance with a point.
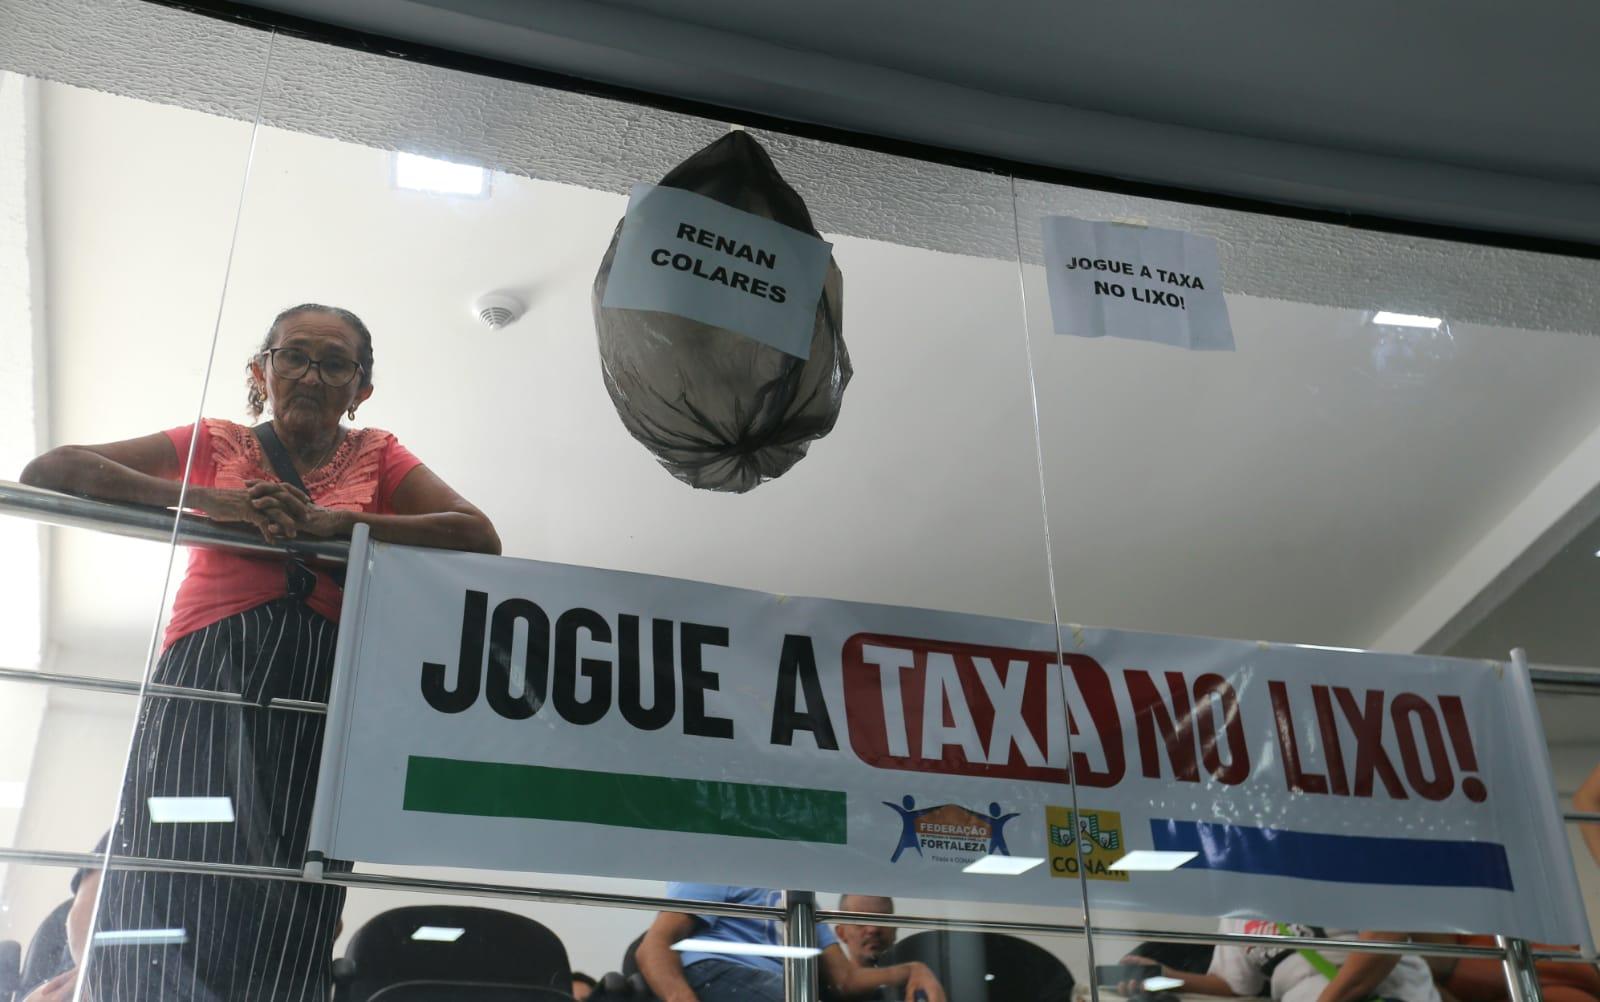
(701, 806)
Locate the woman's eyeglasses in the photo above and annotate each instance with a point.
(292, 363)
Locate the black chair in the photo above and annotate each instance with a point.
(1194, 958)
(986, 967)
(498, 957)
(429, 991)
(47, 954)
(628, 985)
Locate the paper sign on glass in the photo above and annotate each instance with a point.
(692, 256)
(1145, 283)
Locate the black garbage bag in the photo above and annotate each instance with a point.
(722, 411)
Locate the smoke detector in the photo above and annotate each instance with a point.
(496, 309)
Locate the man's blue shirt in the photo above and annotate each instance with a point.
(766, 932)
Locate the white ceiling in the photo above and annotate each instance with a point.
(1473, 113)
(150, 52)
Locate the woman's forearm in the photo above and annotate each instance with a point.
(445, 530)
(1204, 984)
(76, 470)
(1359, 976)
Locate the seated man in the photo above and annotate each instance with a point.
(864, 944)
(85, 885)
(1305, 975)
(711, 976)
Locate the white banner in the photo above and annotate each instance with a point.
(512, 714)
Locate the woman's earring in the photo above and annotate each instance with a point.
(352, 412)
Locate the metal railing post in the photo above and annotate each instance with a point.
(1521, 977)
(800, 981)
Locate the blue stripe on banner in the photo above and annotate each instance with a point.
(1347, 859)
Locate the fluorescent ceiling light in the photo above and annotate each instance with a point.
(437, 934)
(1002, 866)
(11, 793)
(988, 977)
(190, 810)
(162, 937)
(439, 176)
(1161, 984)
(1386, 319)
(745, 949)
(1152, 859)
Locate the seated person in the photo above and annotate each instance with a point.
(1483, 979)
(1305, 975)
(85, 885)
(730, 977)
(864, 944)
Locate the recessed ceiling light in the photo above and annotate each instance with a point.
(988, 977)
(162, 937)
(745, 949)
(441, 177)
(1384, 318)
(1152, 859)
(437, 934)
(1002, 866)
(190, 810)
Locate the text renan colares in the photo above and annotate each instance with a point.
(692, 264)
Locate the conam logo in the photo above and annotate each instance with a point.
(1093, 836)
(949, 833)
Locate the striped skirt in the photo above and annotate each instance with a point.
(221, 939)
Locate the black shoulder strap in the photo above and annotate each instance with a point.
(300, 582)
(278, 456)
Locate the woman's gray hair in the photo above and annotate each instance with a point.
(256, 401)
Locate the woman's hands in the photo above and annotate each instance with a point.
(426, 512)
(279, 511)
(287, 504)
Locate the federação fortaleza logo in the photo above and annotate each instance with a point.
(949, 833)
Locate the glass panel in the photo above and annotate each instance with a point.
(124, 141)
(924, 494)
(43, 909)
(1339, 477)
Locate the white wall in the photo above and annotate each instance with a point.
(77, 772)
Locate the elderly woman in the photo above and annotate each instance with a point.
(261, 627)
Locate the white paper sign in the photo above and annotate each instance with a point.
(692, 256)
(1144, 283)
(519, 715)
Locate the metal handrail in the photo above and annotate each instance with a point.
(646, 902)
(139, 522)
(156, 524)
